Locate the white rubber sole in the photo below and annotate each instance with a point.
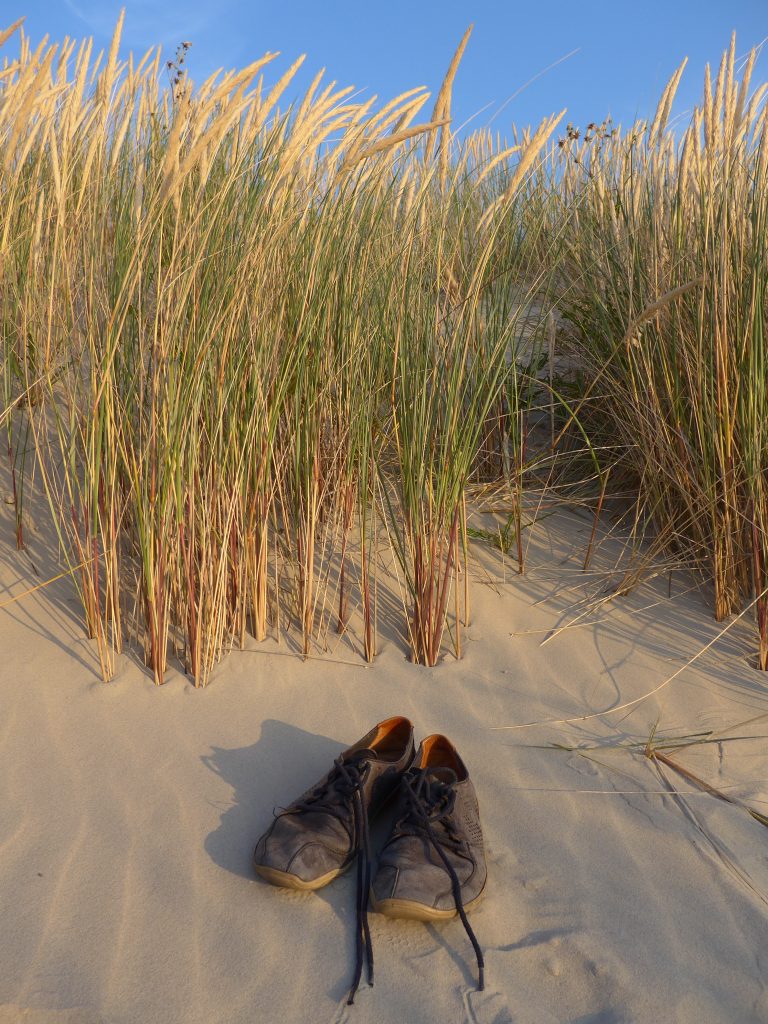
(411, 910)
(288, 881)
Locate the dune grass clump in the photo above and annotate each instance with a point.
(239, 339)
(251, 348)
(664, 284)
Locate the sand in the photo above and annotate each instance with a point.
(128, 815)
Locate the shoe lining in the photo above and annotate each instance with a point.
(391, 739)
(439, 752)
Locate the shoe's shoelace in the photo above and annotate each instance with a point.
(429, 803)
(342, 791)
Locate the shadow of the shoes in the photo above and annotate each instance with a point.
(268, 774)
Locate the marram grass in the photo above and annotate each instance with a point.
(236, 335)
(243, 341)
(666, 286)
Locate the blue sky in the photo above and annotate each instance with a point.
(624, 52)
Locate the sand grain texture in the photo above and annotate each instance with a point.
(128, 814)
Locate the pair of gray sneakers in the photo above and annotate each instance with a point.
(432, 865)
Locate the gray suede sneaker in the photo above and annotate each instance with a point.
(432, 867)
(318, 836)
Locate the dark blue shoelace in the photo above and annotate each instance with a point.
(346, 782)
(429, 802)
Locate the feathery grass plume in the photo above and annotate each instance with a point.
(532, 150)
(6, 33)
(441, 114)
(388, 143)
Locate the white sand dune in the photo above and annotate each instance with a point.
(128, 815)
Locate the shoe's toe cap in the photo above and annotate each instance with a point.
(415, 875)
(298, 852)
(314, 861)
(425, 884)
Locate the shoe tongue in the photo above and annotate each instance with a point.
(446, 775)
(366, 754)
